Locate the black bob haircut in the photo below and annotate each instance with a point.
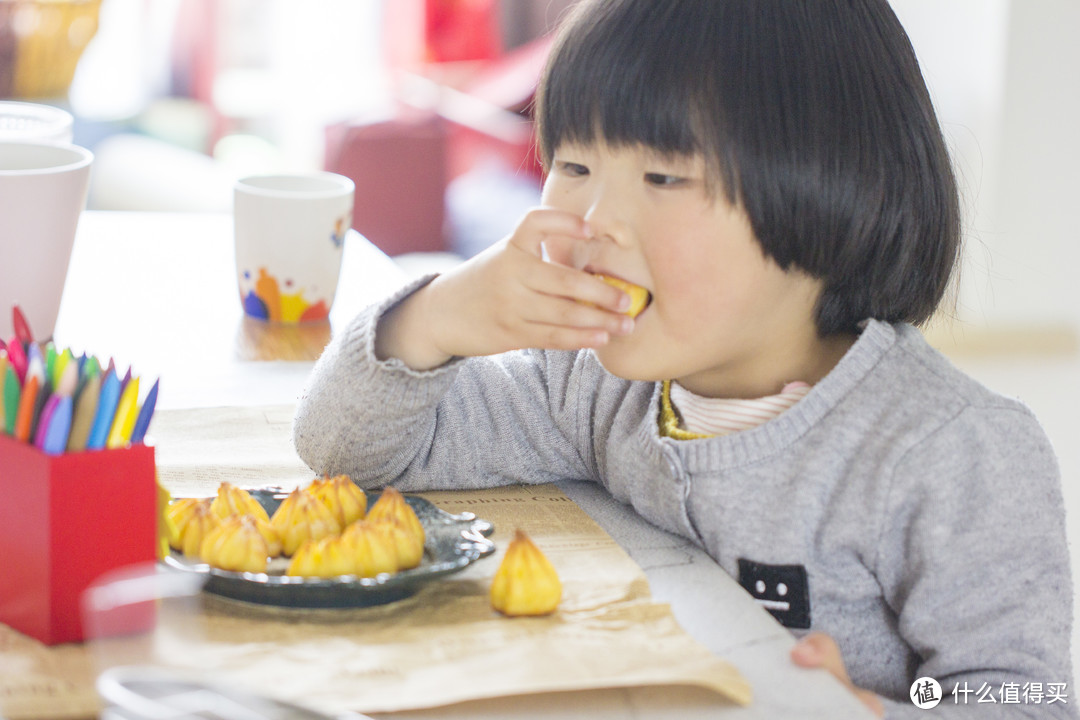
(812, 114)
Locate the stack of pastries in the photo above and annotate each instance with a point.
(325, 529)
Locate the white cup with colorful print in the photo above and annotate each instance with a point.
(289, 232)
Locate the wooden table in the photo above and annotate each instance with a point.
(159, 292)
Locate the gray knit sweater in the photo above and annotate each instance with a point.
(901, 507)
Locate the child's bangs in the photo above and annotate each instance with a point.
(585, 108)
(600, 86)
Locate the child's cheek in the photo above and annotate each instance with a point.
(681, 284)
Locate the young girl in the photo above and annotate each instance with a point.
(773, 173)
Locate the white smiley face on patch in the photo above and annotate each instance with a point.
(783, 590)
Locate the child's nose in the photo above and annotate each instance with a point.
(607, 217)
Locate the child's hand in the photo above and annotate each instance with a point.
(818, 650)
(507, 298)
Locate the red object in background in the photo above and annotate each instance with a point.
(402, 166)
(64, 521)
(399, 168)
(508, 82)
(456, 30)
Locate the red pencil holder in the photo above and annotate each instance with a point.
(64, 521)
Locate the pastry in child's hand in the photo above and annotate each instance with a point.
(327, 557)
(235, 544)
(344, 497)
(392, 504)
(233, 500)
(639, 296)
(301, 516)
(526, 582)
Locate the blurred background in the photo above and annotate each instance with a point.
(422, 102)
(425, 104)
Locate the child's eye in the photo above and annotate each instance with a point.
(662, 180)
(573, 169)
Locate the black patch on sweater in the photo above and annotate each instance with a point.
(783, 590)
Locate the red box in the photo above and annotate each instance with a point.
(64, 521)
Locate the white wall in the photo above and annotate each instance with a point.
(1005, 77)
(1038, 192)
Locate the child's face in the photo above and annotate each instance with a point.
(724, 319)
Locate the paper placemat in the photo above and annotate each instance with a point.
(443, 645)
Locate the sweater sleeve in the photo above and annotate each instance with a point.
(973, 559)
(476, 422)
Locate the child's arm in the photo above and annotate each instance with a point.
(471, 423)
(973, 560)
(386, 403)
(507, 298)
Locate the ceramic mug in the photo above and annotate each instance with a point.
(289, 234)
(43, 190)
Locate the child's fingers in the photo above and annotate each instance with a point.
(548, 230)
(563, 237)
(570, 314)
(565, 282)
(508, 297)
(557, 337)
(571, 250)
(505, 298)
(818, 650)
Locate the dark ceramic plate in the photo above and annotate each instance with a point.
(452, 543)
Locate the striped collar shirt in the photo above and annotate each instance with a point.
(702, 416)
